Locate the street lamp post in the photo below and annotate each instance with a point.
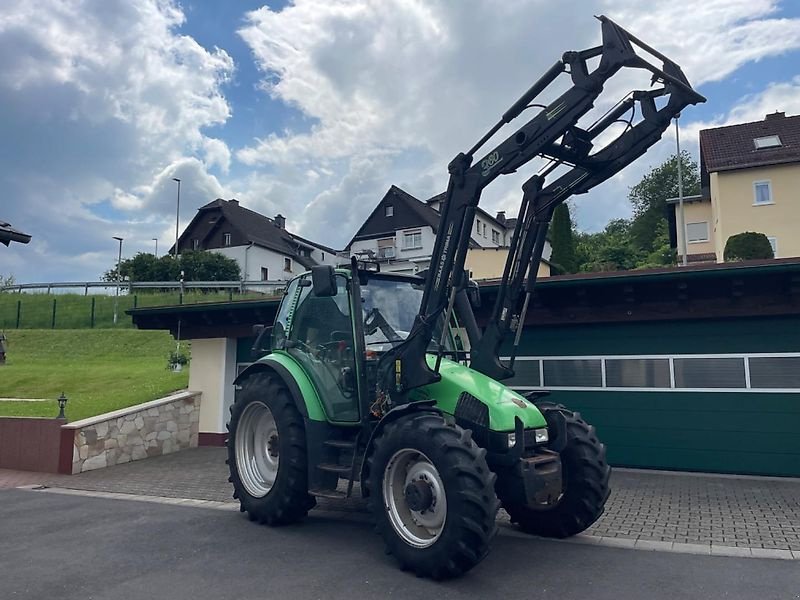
(119, 276)
(156, 241)
(177, 215)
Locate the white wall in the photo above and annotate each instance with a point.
(406, 260)
(212, 371)
(252, 258)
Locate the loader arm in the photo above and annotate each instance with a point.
(552, 134)
(536, 211)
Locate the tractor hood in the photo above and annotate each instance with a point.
(503, 403)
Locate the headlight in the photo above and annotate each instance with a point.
(512, 438)
(541, 436)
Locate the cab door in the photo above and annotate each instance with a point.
(321, 340)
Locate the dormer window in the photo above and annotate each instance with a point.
(768, 141)
(226, 239)
(389, 210)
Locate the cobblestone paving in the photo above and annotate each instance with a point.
(746, 512)
(655, 508)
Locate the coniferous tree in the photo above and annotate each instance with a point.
(562, 241)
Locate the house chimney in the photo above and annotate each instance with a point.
(501, 217)
(234, 201)
(775, 115)
(280, 221)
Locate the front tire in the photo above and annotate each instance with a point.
(585, 476)
(432, 496)
(267, 452)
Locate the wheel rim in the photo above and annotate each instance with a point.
(257, 452)
(418, 528)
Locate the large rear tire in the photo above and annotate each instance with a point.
(585, 476)
(267, 452)
(432, 496)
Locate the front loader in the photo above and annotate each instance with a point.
(386, 381)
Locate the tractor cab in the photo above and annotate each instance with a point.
(338, 323)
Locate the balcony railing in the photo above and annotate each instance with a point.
(386, 253)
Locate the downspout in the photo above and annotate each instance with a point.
(246, 277)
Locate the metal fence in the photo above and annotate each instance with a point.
(77, 305)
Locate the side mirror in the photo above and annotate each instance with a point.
(323, 278)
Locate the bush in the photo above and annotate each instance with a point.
(748, 246)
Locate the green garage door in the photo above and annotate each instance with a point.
(719, 395)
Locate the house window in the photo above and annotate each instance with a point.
(323, 255)
(697, 232)
(768, 141)
(773, 241)
(484, 230)
(762, 193)
(495, 237)
(264, 274)
(389, 210)
(195, 244)
(412, 240)
(478, 227)
(226, 239)
(287, 264)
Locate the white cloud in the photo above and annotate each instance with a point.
(414, 82)
(712, 38)
(100, 99)
(217, 154)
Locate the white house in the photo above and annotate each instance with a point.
(263, 247)
(401, 231)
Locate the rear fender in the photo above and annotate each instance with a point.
(292, 374)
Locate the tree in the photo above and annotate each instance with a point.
(196, 266)
(747, 246)
(7, 280)
(608, 250)
(562, 241)
(649, 198)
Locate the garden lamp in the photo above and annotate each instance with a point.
(62, 403)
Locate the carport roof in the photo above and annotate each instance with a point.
(728, 290)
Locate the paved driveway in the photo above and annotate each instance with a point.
(76, 548)
(756, 516)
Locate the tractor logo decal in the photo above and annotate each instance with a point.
(488, 163)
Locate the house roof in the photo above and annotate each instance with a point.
(8, 234)
(732, 147)
(259, 230)
(407, 212)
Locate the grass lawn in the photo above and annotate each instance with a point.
(99, 370)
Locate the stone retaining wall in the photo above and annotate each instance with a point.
(158, 427)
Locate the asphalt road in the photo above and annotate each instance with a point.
(72, 547)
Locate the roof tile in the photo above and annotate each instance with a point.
(732, 147)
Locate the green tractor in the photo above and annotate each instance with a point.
(387, 381)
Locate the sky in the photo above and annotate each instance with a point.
(314, 108)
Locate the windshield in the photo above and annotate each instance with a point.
(389, 307)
